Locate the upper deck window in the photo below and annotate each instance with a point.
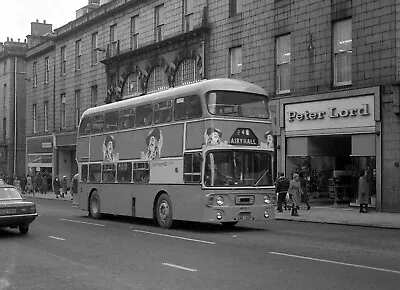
(84, 128)
(111, 121)
(187, 108)
(98, 124)
(237, 104)
(144, 115)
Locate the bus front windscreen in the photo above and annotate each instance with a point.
(237, 104)
(237, 169)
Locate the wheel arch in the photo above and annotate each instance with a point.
(89, 196)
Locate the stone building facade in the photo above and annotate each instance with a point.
(12, 107)
(311, 57)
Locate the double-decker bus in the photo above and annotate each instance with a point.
(201, 152)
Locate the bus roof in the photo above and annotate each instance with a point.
(199, 87)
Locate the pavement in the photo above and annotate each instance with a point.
(326, 214)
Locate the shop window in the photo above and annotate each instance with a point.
(192, 167)
(163, 112)
(144, 115)
(127, 119)
(188, 108)
(124, 172)
(84, 173)
(108, 173)
(94, 173)
(141, 172)
(111, 121)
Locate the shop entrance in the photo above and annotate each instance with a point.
(332, 166)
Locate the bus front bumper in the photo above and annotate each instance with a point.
(235, 214)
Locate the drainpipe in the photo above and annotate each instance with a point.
(15, 116)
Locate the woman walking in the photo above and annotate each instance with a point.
(294, 193)
(363, 191)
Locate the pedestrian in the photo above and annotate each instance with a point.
(37, 182)
(74, 185)
(44, 183)
(29, 185)
(23, 184)
(363, 191)
(64, 186)
(281, 189)
(304, 190)
(56, 186)
(294, 193)
(17, 183)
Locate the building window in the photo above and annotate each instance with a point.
(342, 49)
(134, 32)
(94, 48)
(78, 55)
(46, 116)
(77, 107)
(283, 64)
(235, 59)
(5, 95)
(93, 96)
(159, 23)
(235, 7)
(63, 60)
(157, 80)
(5, 66)
(63, 112)
(34, 72)
(188, 15)
(46, 70)
(34, 118)
(113, 40)
(186, 73)
(131, 86)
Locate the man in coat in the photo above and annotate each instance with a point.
(363, 192)
(281, 188)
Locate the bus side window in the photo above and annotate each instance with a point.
(192, 167)
(108, 173)
(94, 173)
(127, 119)
(141, 172)
(98, 124)
(163, 112)
(124, 172)
(84, 127)
(111, 121)
(188, 108)
(144, 115)
(84, 173)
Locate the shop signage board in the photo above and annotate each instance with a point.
(353, 112)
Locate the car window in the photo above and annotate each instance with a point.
(9, 193)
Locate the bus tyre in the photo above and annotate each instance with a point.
(229, 225)
(94, 205)
(164, 211)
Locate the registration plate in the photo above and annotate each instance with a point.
(245, 216)
(5, 211)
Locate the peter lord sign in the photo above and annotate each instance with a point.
(331, 114)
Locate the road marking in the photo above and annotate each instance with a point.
(179, 267)
(175, 237)
(56, 238)
(79, 222)
(338, 263)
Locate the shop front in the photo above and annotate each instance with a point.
(40, 157)
(64, 155)
(331, 139)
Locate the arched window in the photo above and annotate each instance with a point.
(186, 73)
(157, 80)
(131, 86)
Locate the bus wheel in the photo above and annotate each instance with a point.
(164, 211)
(229, 225)
(94, 205)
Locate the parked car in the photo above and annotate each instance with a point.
(2, 181)
(15, 210)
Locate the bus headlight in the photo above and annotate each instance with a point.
(266, 215)
(220, 200)
(266, 199)
(219, 215)
(210, 200)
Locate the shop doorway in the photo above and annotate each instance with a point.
(331, 168)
